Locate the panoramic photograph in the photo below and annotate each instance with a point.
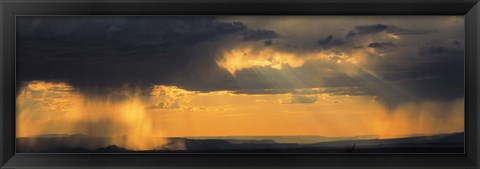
(240, 84)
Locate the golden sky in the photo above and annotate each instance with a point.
(169, 111)
(184, 76)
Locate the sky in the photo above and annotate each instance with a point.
(177, 76)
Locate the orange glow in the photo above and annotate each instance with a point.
(244, 58)
(142, 121)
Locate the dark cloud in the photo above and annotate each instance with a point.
(428, 81)
(442, 48)
(299, 99)
(94, 53)
(393, 29)
(351, 34)
(131, 31)
(259, 34)
(383, 46)
(380, 45)
(353, 91)
(325, 40)
(268, 42)
(404, 31)
(370, 29)
(329, 41)
(264, 91)
(437, 75)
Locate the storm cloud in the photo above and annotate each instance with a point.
(393, 29)
(329, 42)
(260, 34)
(99, 52)
(397, 60)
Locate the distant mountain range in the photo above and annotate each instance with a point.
(285, 139)
(442, 143)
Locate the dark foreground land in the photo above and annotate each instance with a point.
(445, 143)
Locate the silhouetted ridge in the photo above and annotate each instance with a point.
(442, 143)
(112, 149)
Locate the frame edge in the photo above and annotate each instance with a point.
(2, 56)
(472, 49)
(7, 120)
(473, 26)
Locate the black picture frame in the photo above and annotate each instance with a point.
(11, 8)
